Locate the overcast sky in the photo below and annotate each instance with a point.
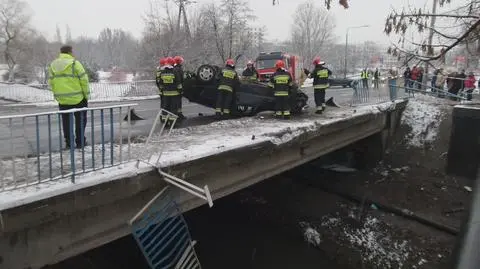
(89, 17)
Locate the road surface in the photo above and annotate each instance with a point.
(21, 140)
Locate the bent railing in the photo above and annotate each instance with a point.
(33, 149)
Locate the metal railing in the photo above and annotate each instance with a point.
(33, 149)
(99, 91)
(385, 92)
(162, 234)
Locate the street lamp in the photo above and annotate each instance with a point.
(346, 46)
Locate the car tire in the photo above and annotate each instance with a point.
(206, 73)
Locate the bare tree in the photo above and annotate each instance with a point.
(14, 24)
(460, 26)
(68, 34)
(328, 3)
(313, 28)
(238, 15)
(58, 35)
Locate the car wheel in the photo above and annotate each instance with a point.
(206, 73)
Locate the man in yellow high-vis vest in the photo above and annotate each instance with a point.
(69, 83)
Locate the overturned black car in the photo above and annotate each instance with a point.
(250, 97)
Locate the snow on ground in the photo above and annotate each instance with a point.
(182, 145)
(369, 236)
(98, 92)
(423, 114)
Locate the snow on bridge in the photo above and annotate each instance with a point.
(182, 145)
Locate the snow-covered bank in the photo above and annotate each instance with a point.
(98, 92)
(183, 145)
(423, 115)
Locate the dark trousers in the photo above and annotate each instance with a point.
(365, 83)
(282, 105)
(319, 95)
(469, 94)
(375, 83)
(171, 104)
(224, 100)
(80, 123)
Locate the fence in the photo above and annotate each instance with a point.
(364, 94)
(33, 149)
(98, 91)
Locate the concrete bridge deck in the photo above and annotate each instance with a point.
(51, 222)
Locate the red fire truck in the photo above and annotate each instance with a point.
(265, 65)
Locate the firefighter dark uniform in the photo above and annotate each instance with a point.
(364, 76)
(226, 89)
(250, 72)
(158, 74)
(321, 76)
(178, 68)
(169, 83)
(281, 82)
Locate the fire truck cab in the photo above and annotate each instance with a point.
(265, 65)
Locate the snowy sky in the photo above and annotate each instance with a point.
(88, 17)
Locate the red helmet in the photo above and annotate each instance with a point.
(162, 61)
(170, 61)
(178, 59)
(279, 64)
(316, 61)
(230, 62)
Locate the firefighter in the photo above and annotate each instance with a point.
(169, 83)
(281, 82)
(179, 72)
(160, 67)
(229, 81)
(250, 72)
(320, 76)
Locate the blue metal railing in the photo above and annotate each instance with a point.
(33, 149)
(162, 234)
(369, 95)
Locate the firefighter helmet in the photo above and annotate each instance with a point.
(279, 64)
(162, 61)
(230, 62)
(170, 61)
(316, 61)
(178, 59)
(249, 63)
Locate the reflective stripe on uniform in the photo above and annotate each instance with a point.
(281, 79)
(278, 113)
(286, 113)
(170, 93)
(321, 86)
(271, 85)
(225, 88)
(323, 73)
(281, 93)
(229, 73)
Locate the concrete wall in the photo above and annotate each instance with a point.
(57, 228)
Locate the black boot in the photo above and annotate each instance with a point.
(319, 111)
(218, 115)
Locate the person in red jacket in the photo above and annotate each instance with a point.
(470, 85)
(414, 77)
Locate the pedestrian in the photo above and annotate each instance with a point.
(282, 83)
(178, 68)
(470, 86)
(162, 62)
(364, 77)
(169, 82)
(440, 83)
(70, 86)
(392, 83)
(434, 81)
(406, 79)
(250, 72)
(376, 78)
(229, 82)
(321, 76)
(419, 78)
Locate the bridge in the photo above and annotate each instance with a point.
(47, 221)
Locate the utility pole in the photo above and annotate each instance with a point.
(346, 47)
(433, 18)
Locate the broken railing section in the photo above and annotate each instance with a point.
(370, 95)
(154, 146)
(162, 234)
(38, 151)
